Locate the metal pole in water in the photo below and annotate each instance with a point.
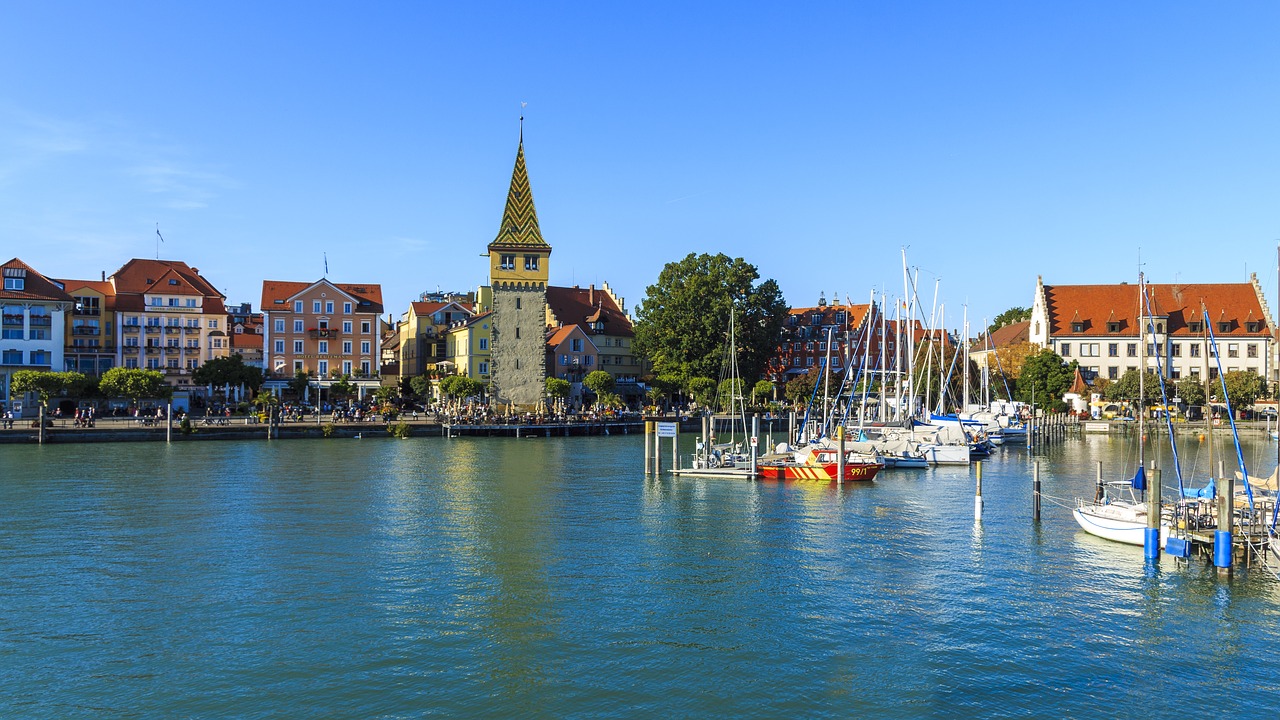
(1035, 493)
(977, 499)
(648, 435)
(1151, 535)
(168, 423)
(755, 452)
(1222, 545)
(706, 441)
(675, 445)
(840, 457)
(657, 451)
(40, 419)
(1098, 492)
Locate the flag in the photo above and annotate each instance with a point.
(326, 264)
(158, 234)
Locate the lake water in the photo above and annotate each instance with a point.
(497, 578)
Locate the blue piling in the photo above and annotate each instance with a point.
(1222, 549)
(1151, 543)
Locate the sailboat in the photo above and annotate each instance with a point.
(1117, 511)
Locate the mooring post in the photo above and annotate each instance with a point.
(977, 499)
(706, 441)
(40, 419)
(675, 444)
(1098, 491)
(755, 441)
(791, 428)
(271, 419)
(657, 451)
(1035, 491)
(1222, 541)
(648, 435)
(840, 457)
(1151, 535)
(168, 422)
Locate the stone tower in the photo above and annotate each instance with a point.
(518, 259)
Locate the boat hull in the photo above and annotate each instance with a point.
(822, 472)
(1104, 522)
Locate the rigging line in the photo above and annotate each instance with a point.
(1164, 396)
(1244, 471)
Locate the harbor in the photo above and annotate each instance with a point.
(483, 576)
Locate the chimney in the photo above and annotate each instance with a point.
(104, 276)
(591, 295)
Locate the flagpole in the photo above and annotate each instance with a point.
(160, 240)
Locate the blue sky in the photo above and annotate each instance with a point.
(996, 141)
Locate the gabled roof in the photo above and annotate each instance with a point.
(35, 285)
(1091, 307)
(140, 276)
(367, 297)
(557, 336)
(423, 308)
(519, 228)
(102, 287)
(1011, 334)
(577, 306)
(854, 314)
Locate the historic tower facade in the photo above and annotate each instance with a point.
(518, 259)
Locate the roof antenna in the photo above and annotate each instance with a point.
(523, 105)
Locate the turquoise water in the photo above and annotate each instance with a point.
(548, 578)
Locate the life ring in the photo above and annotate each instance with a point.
(1217, 421)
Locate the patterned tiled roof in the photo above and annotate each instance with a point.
(140, 276)
(519, 219)
(35, 285)
(1094, 307)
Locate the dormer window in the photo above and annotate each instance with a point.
(1195, 327)
(1113, 327)
(1224, 327)
(817, 319)
(1253, 327)
(1077, 327)
(173, 281)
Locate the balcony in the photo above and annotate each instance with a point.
(153, 329)
(322, 333)
(41, 321)
(153, 350)
(172, 329)
(90, 312)
(84, 331)
(193, 348)
(130, 328)
(189, 330)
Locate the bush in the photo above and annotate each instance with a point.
(399, 430)
(327, 429)
(185, 426)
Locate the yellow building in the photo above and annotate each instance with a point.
(467, 347)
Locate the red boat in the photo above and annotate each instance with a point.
(816, 464)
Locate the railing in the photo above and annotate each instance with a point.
(153, 329)
(171, 329)
(88, 311)
(84, 331)
(130, 328)
(41, 321)
(192, 329)
(153, 349)
(323, 333)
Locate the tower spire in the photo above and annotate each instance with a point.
(519, 228)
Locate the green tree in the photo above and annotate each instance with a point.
(460, 387)
(342, 389)
(134, 384)
(683, 323)
(799, 389)
(1009, 317)
(558, 390)
(600, 383)
(1126, 388)
(386, 394)
(1191, 390)
(728, 393)
(421, 386)
(266, 398)
(702, 389)
(662, 387)
(1243, 388)
(1048, 378)
(763, 391)
(228, 371)
(47, 385)
(298, 385)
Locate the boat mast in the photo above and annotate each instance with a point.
(866, 359)
(964, 338)
(826, 382)
(884, 368)
(1142, 376)
(909, 300)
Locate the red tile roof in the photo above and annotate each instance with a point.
(579, 306)
(1093, 307)
(854, 314)
(1011, 334)
(284, 290)
(35, 285)
(140, 276)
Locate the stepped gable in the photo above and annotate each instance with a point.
(140, 276)
(585, 306)
(35, 285)
(519, 228)
(1094, 306)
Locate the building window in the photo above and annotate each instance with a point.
(1175, 350)
(364, 347)
(1132, 350)
(1065, 349)
(530, 262)
(1077, 327)
(279, 325)
(1253, 327)
(279, 346)
(346, 367)
(328, 307)
(15, 283)
(1224, 327)
(1233, 350)
(213, 324)
(575, 345)
(297, 347)
(484, 343)
(297, 326)
(1113, 349)
(346, 308)
(297, 306)
(1113, 327)
(315, 307)
(1195, 350)
(1088, 349)
(153, 363)
(346, 347)
(324, 368)
(1250, 350)
(795, 362)
(324, 347)
(173, 363)
(346, 327)
(1113, 372)
(484, 368)
(517, 303)
(1195, 327)
(507, 262)
(12, 357)
(517, 333)
(364, 327)
(808, 362)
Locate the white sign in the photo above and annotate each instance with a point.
(754, 441)
(667, 429)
